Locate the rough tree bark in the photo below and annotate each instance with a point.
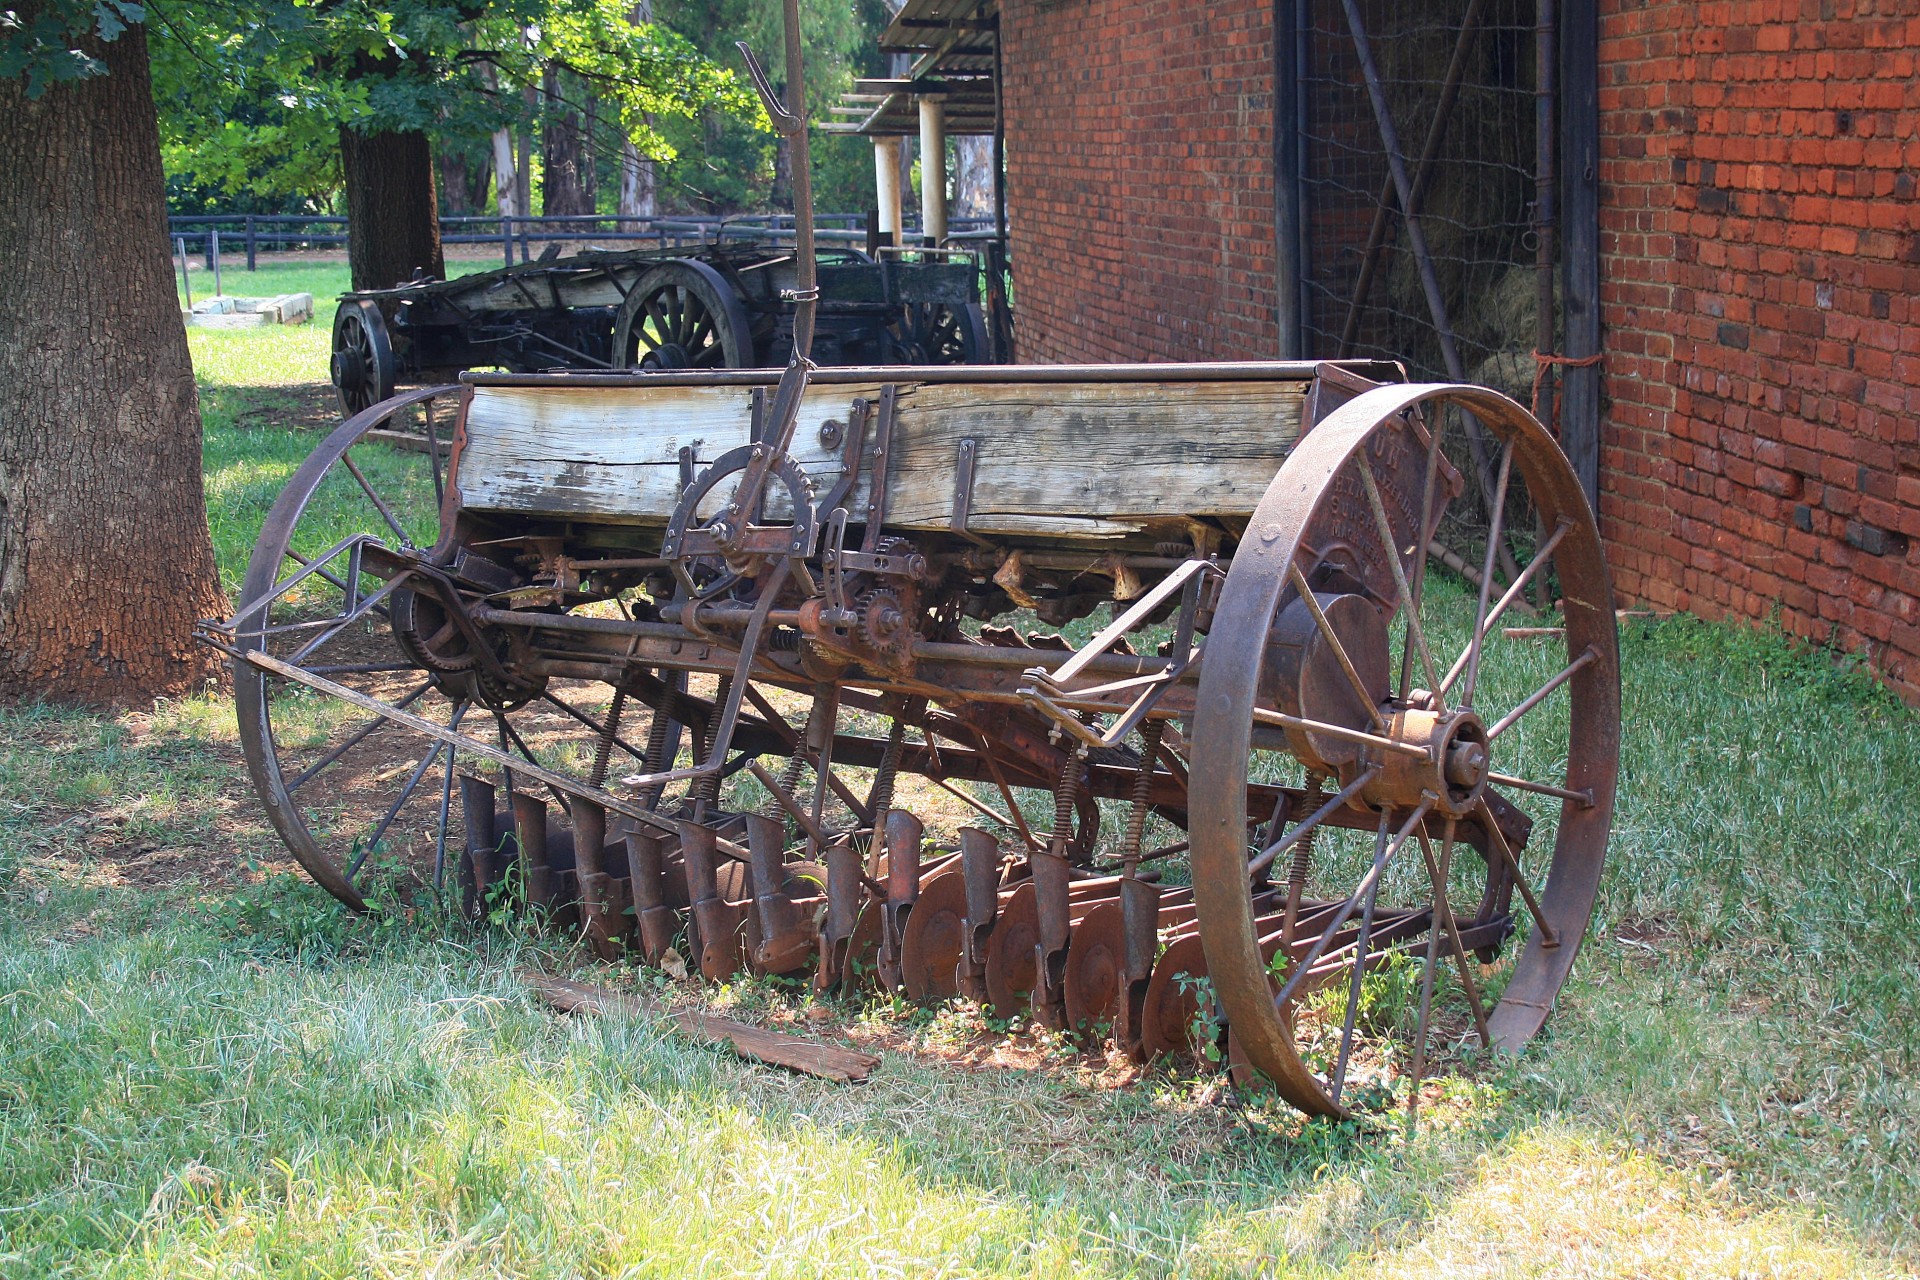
(105, 559)
(463, 184)
(393, 218)
(564, 189)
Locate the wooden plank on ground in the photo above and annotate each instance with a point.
(829, 1062)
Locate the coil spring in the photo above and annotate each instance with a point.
(603, 750)
(1066, 798)
(1150, 735)
(1303, 850)
(706, 790)
(656, 749)
(880, 799)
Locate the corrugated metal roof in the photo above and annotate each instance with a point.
(952, 42)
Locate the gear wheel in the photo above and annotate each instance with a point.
(884, 624)
(427, 635)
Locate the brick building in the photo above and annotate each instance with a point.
(1761, 258)
(1758, 251)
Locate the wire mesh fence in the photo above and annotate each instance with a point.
(1450, 88)
(1457, 80)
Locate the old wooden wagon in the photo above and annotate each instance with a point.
(672, 659)
(720, 304)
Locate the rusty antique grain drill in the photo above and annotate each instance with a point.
(663, 656)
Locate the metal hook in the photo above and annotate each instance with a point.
(784, 121)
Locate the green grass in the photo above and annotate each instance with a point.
(228, 1076)
(326, 280)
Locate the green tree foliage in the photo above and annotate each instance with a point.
(41, 43)
(252, 92)
(725, 167)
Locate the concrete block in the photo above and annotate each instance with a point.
(230, 320)
(218, 305)
(291, 308)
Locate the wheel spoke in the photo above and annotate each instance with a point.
(306, 775)
(599, 729)
(1359, 973)
(677, 308)
(1267, 855)
(386, 513)
(1582, 798)
(1312, 602)
(440, 837)
(1415, 631)
(656, 320)
(1588, 656)
(1426, 537)
(406, 793)
(1426, 980)
(1381, 859)
(1281, 719)
(509, 733)
(1498, 839)
(433, 454)
(1495, 531)
(1443, 911)
(1511, 594)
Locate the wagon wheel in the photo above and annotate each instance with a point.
(683, 315)
(349, 790)
(1438, 748)
(362, 367)
(935, 333)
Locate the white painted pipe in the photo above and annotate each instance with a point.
(933, 167)
(886, 184)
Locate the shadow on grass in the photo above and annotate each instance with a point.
(211, 1086)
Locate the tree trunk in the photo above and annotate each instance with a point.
(523, 171)
(393, 219)
(456, 181)
(639, 185)
(506, 191)
(563, 190)
(105, 559)
(972, 177)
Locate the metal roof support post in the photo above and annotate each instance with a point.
(1287, 228)
(1580, 238)
(933, 167)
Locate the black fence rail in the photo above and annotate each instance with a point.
(212, 236)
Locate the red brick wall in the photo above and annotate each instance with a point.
(1760, 235)
(1140, 178)
(1761, 267)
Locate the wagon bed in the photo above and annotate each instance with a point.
(1110, 453)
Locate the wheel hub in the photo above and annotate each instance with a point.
(348, 373)
(1451, 769)
(669, 355)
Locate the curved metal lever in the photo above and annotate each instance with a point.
(784, 121)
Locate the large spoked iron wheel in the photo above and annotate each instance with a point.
(683, 315)
(314, 599)
(333, 594)
(1460, 786)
